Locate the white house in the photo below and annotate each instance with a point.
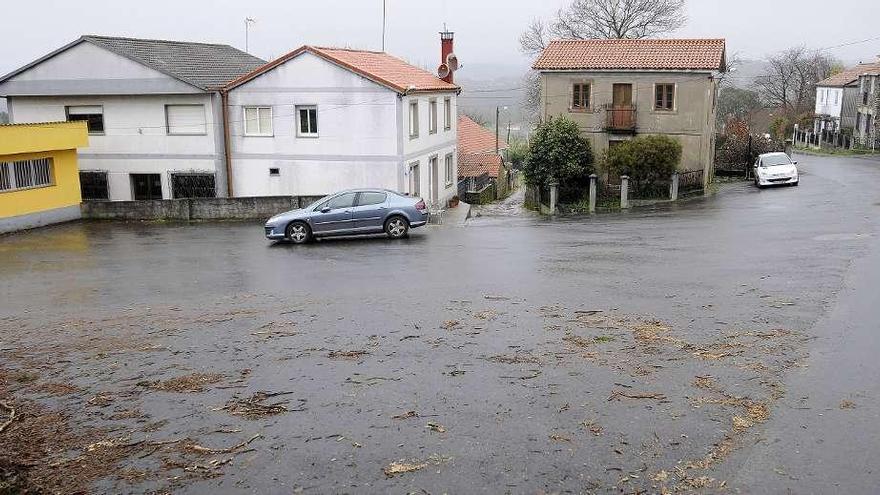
(153, 107)
(837, 100)
(319, 120)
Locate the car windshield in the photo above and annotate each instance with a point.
(775, 160)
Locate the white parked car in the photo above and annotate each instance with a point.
(775, 169)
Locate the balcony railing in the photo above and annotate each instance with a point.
(620, 118)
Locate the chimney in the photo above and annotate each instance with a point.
(448, 61)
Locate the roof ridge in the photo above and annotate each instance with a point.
(355, 50)
(153, 40)
(635, 40)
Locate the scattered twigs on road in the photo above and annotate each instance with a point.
(13, 415)
(617, 395)
(235, 449)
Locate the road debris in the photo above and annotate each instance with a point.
(12, 415)
(436, 427)
(193, 447)
(354, 355)
(254, 407)
(844, 404)
(450, 324)
(406, 415)
(195, 382)
(617, 395)
(396, 468)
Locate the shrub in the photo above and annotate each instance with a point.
(559, 152)
(645, 159)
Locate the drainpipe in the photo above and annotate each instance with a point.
(227, 148)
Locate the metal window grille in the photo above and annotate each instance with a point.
(94, 186)
(24, 174)
(193, 186)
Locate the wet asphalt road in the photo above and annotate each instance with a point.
(595, 354)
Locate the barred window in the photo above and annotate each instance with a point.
(25, 174)
(193, 186)
(94, 186)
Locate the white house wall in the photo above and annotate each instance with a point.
(86, 69)
(362, 134)
(420, 150)
(829, 101)
(135, 138)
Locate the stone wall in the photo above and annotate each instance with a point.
(257, 208)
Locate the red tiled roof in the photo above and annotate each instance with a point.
(477, 164)
(474, 138)
(378, 67)
(653, 54)
(849, 76)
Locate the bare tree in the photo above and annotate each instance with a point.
(587, 19)
(789, 81)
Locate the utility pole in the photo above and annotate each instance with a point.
(384, 12)
(247, 33)
(497, 116)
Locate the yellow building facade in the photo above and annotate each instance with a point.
(39, 176)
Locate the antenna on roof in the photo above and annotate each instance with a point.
(247, 32)
(384, 11)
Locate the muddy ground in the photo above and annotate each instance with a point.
(645, 352)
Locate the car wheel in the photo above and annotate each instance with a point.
(396, 227)
(796, 183)
(298, 233)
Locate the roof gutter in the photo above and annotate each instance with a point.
(227, 148)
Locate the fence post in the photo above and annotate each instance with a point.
(673, 187)
(554, 190)
(624, 191)
(593, 180)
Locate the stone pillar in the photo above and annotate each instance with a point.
(673, 188)
(554, 195)
(624, 191)
(593, 179)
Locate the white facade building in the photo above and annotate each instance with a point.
(153, 107)
(321, 120)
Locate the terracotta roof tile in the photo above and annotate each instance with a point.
(474, 138)
(849, 76)
(378, 67)
(477, 164)
(646, 54)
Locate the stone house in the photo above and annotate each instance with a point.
(867, 130)
(618, 89)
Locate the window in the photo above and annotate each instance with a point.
(342, 201)
(447, 114)
(258, 121)
(664, 97)
(580, 96)
(414, 119)
(146, 186)
(94, 186)
(93, 115)
(192, 186)
(274, 172)
(185, 120)
(432, 117)
(372, 198)
(450, 170)
(414, 179)
(307, 121)
(25, 174)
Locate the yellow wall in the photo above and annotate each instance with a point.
(63, 192)
(55, 140)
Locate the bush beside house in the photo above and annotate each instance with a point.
(649, 161)
(560, 153)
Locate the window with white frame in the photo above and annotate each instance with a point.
(258, 121)
(25, 174)
(307, 120)
(432, 117)
(447, 114)
(414, 119)
(450, 170)
(185, 120)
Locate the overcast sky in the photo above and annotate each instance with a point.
(487, 31)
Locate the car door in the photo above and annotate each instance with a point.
(369, 213)
(334, 215)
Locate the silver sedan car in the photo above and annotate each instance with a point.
(361, 211)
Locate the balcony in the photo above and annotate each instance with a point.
(620, 119)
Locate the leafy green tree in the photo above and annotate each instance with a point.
(645, 159)
(517, 154)
(559, 152)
